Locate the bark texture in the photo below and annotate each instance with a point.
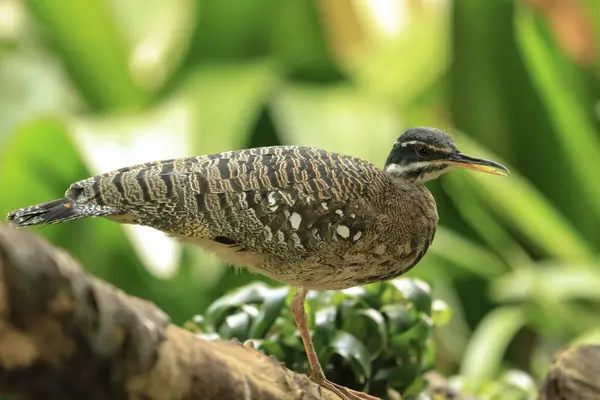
(67, 335)
(574, 374)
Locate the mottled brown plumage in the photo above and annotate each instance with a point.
(303, 216)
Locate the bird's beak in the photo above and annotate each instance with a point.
(476, 164)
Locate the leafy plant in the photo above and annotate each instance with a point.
(372, 338)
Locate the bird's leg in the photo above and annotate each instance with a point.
(316, 371)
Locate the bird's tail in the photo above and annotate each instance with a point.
(56, 211)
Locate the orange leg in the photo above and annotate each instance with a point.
(316, 371)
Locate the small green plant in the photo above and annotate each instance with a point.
(370, 338)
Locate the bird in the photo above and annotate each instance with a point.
(306, 217)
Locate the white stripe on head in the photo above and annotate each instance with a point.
(417, 142)
(409, 143)
(397, 169)
(403, 169)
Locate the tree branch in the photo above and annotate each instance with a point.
(64, 334)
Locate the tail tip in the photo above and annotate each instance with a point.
(18, 218)
(39, 214)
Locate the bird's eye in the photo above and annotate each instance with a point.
(422, 151)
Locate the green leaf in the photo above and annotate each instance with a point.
(408, 368)
(235, 326)
(224, 102)
(218, 310)
(40, 86)
(368, 326)
(230, 31)
(309, 58)
(414, 337)
(588, 337)
(489, 342)
(96, 55)
(524, 208)
(325, 327)
(556, 281)
(416, 293)
(553, 77)
(441, 313)
(424, 35)
(399, 318)
(353, 351)
(273, 302)
(521, 383)
(315, 115)
(466, 254)
(482, 220)
(272, 348)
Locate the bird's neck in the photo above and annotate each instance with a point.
(413, 190)
(415, 175)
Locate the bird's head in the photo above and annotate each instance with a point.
(422, 154)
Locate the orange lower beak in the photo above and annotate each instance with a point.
(476, 164)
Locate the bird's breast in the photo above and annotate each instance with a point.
(394, 241)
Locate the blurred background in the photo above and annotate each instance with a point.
(86, 87)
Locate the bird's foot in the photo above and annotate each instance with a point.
(343, 392)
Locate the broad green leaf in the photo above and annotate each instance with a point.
(272, 348)
(413, 337)
(482, 221)
(485, 351)
(423, 31)
(556, 281)
(368, 326)
(308, 55)
(325, 327)
(579, 137)
(352, 350)
(316, 115)
(525, 209)
(521, 383)
(225, 102)
(218, 310)
(453, 336)
(158, 33)
(398, 317)
(87, 37)
(416, 293)
(557, 319)
(466, 254)
(230, 31)
(408, 368)
(587, 338)
(273, 302)
(235, 326)
(441, 313)
(41, 88)
(367, 296)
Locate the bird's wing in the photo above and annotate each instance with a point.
(278, 197)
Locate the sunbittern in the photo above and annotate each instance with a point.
(300, 215)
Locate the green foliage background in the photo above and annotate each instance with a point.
(87, 84)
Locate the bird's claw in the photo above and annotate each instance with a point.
(345, 393)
